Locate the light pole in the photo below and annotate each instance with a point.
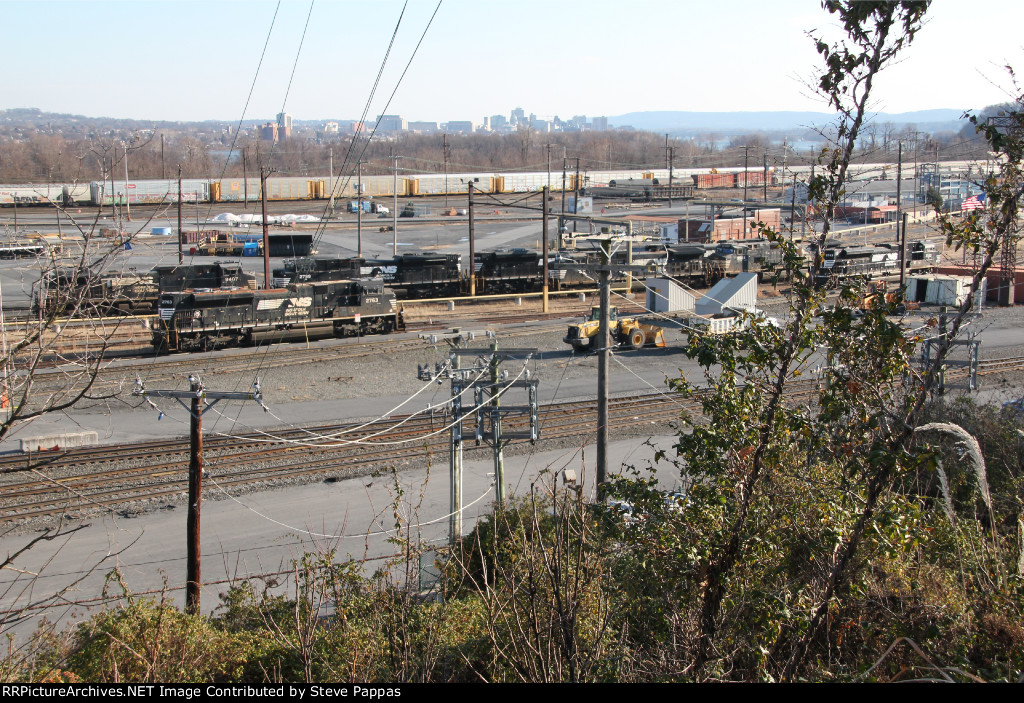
(127, 205)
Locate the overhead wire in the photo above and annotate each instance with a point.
(318, 235)
(272, 439)
(361, 535)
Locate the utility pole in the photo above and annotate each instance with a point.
(544, 249)
(181, 251)
(766, 175)
(266, 230)
(163, 169)
(194, 550)
(499, 454)
(245, 181)
(549, 164)
(445, 147)
(746, 152)
(899, 182)
(603, 365)
(577, 190)
(197, 394)
(792, 205)
(561, 220)
(127, 201)
(472, 242)
(903, 254)
(330, 168)
(394, 210)
(113, 191)
(672, 166)
(604, 343)
(486, 408)
(807, 204)
(455, 460)
(359, 209)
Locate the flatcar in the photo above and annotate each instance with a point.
(204, 320)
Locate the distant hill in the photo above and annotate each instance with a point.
(667, 120)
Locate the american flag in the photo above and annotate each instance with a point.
(975, 202)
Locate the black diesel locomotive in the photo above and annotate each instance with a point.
(410, 276)
(130, 293)
(203, 320)
(841, 263)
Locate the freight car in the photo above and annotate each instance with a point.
(203, 320)
(324, 187)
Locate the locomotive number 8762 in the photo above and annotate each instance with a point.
(203, 320)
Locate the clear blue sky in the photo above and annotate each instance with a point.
(196, 60)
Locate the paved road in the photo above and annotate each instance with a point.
(265, 532)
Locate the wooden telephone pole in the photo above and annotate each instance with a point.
(604, 272)
(197, 394)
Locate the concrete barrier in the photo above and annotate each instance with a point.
(65, 440)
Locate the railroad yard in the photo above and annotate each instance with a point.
(345, 423)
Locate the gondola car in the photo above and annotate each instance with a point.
(203, 320)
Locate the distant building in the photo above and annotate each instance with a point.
(358, 127)
(284, 125)
(392, 123)
(600, 124)
(498, 122)
(331, 128)
(268, 132)
(518, 116)
(424, 127)
(459, 127)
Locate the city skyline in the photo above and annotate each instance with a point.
(195, 61)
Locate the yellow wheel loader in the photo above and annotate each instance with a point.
(626, 332)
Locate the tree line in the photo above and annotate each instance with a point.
(38, 155)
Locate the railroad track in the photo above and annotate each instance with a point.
(162, 472)
(165, 369)
(159, 468)
(129, 336)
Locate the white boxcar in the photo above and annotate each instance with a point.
(107, 192)
(29, 194)
(452, 184)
